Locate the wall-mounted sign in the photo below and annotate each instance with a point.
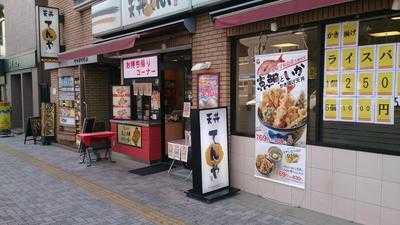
(106, 16)
(79, 61)
(137, 12)
(130, 135)
(20, 62)
(141, 67)
(121, 102)
(208, 91)
(49, 33)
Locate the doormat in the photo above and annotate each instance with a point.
(150, 169)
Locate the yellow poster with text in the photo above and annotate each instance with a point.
(332, 59)
(332, 35)
(348, 80)
(366, 57)
(349, 58)
(330, 109)
(350, 33)
(384, 110)
(347, 109)
(331, 84)
(366, 81)
(365, 110)
(384, 83)
(385, 57)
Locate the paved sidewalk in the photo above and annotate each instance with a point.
(46, 185)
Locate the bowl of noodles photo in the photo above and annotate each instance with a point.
(284, 115)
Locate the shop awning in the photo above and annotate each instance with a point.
(271, 10)
(99, 48)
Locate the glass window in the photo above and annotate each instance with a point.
(244, 95)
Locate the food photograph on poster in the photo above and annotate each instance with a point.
(281, 117)
(208, 88)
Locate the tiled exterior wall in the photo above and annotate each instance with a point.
(353, 185)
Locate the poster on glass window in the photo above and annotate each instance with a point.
(281, 117)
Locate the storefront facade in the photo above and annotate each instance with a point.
(351, 158)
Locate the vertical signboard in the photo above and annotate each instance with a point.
(121, 102)
(49, 33)
(281, 112)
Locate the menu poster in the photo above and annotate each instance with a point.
(281, 112)
(130, 135)
(208, 91)
(121, 102)
(360, 82)
(332, 35)
(47, 113)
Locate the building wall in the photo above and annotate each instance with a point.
(20, 30)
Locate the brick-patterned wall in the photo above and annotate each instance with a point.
(77, 30)
(97, 89)
(212, 45)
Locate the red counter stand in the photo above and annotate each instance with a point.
(151, 142)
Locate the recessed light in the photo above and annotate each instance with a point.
(395, 18)
(385, 34)
(285, 45)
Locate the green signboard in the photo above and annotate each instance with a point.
(20, 62)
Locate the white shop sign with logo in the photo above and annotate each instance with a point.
(141, 67)
(49, 33)
(137, 12)
(106, 16)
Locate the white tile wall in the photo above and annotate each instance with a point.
(368, 190)
(344, 161)
(369, 165)
(390, 216)
(391, 195)
(367, 214)
(343, 208)
(344, 185)
(357, 186)
(389, 165)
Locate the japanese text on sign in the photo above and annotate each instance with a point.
(141, 67)
(49, 32)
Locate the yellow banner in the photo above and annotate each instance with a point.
(366, 83)
(366, 57)
(332, 59)
(384, 110)
(385, 83)
(365, 110)
(347, 109)
(348, 83)
(349, 58)
(332, 35)
(350, 33)
(386, 53)
(331, 84)
(330, 109)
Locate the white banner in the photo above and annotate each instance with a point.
(281, 112)
(49, 33)
(137, 12)
(141, 67)
(214, 149)
(106, 16)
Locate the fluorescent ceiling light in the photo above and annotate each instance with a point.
(385, 34)
(285, 45)
(395, 18)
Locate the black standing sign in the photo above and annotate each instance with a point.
(210, 155)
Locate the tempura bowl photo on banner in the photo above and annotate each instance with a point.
(281, 98)
(280, 163)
